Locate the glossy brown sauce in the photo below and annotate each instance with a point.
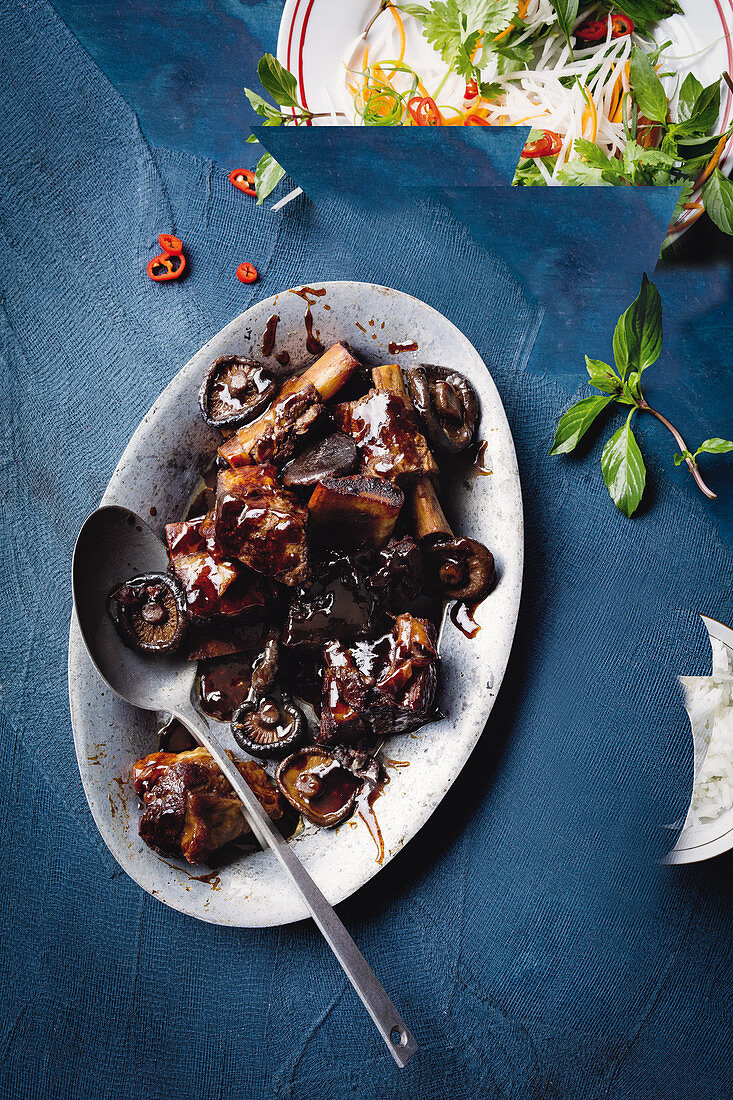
(312, 343)
(283, 358)
(395, 349)
(479, 465)
(306, 292)
(365, 810)
(268, 339)
(462, 617)
(223, 687)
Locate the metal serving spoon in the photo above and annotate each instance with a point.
(115, 544)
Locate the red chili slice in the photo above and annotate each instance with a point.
(471, 90)
(244, 180)
(595, 30)
(475, 120)
(247, 273)
(548, 145)
(170, 244)
(167, 266)
(424, 111)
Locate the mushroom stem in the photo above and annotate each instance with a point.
(329, 373)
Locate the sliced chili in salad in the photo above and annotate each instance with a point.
(424, 111)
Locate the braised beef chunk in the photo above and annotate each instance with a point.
(273, 437)
(354, 511)
(191, 809)
(397, 574)
(337, 604)
(376, 688)
(260, 524)
(214, 585)
(225, 638)
(385, 434)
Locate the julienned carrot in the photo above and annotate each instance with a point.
(713, 162)
(589, 114)
(400, 31)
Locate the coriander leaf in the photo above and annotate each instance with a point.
(602, 376)
(443, 28)
(717, 194)
(577, 173)
(575, 423)
(637, 341)
(690, 90)
(463, 60)
(276, 80)
(647, 87)
(623, 469)
(261, 106)
(590, 153)
(679, 459)
(268, 174)
(566, 12)
(714, 446)
(488, 16)
(489, 91)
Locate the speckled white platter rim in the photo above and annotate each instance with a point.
(159, 469)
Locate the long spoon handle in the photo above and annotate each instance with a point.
(389, 1023)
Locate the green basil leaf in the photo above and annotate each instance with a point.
(261, 106)
(575, 423)
(623, 469)
(690, 90)
(637, 341)
(679, 459)
(705, 112)
(602, 376)
(417, 10)
(566, 12)
(268, 174)
(717, 194)
(647, 87)
(715, 446)
(276, 80)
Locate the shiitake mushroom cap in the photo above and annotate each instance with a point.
(334, 456)
(447, 404)
(318, 785)
(462, 568)
(235, 391)
(149, 612)
(271, 725)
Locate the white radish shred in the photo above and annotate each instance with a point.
(709, 703)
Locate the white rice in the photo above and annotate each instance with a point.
(709, 703)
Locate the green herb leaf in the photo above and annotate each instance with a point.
(714, 446)
(637, 341)
(690, 90)
(705, 111)
(489, 91)
(623, 469)
(566, 12)
(602, 376)
(679, 459)
(276, 80)
(261, 106)
(575, 423)
(452, 27)
(647, 87)
(717, 194)
(268, 174)
(577, 173)
(591, 153)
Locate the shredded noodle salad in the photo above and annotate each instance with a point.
(604, 104)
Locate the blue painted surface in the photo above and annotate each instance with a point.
(527, 934)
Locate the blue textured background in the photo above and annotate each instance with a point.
(528, 936)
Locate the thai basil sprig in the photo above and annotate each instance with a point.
(637, 343)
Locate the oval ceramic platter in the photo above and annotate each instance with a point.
(159, 471)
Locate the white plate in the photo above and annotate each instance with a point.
(158, 470)
(316, 34)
